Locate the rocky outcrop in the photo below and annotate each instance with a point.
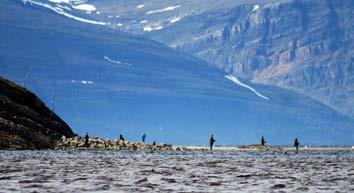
(95, 143)
(25, 121)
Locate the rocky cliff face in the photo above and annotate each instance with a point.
(305, 46)
(25, 122)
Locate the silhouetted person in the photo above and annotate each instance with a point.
(121, 137)
(296, 144)
(211, 141)
(143, 137)
(154, 143)
(87, 140)
(262, 141)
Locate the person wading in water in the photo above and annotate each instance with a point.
(87, 140)
(211, 141)
(143, 137)
(121, 137)
(262, 141)
(296, 144)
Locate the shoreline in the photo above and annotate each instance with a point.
(95, 143)
(99, 144)
(266, 148)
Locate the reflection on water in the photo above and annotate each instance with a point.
(219, 171)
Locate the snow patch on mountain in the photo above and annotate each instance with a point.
(149, 28)
(255, 7)
(115, 61)
(86, 82)
(64, 1)
(62, 12)
(112, 61)
(237, 81)
(175, 19)
(140, 6)
(163, 10)
(82, 81)
(85, 7)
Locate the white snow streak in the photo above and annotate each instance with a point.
(64, 1)
(82, 81)
(255, 7)
(112, 61)
(163, 10)
(86, 82)
(151, 28)
(175, 19)
(147, 28)
(237, 81)
(62, 12)
(85, 7)
(140, 6)
(115, 61)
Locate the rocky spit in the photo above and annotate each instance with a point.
(95, 143)
(176, 171)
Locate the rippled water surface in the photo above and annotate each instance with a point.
(219, 171)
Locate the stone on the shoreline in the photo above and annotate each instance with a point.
(106, 144)
(182, 149)
(261, 147)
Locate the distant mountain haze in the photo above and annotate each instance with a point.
(108, 82)
(305, 46)
(302, 45)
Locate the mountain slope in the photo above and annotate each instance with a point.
(25, 122)
(106, 82)
(303, 45)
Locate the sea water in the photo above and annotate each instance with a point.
(173, 171)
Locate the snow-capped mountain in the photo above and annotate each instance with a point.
(108, 82)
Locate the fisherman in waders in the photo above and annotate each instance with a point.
(296, 144)
(262, 141)
(211, 141)
(87, 140)
(143, 137)
(121, 137)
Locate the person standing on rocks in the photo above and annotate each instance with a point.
(87, 140)
(211, 141)
(121, 137)
(296, 144)
(263, 141)
(143, 137)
